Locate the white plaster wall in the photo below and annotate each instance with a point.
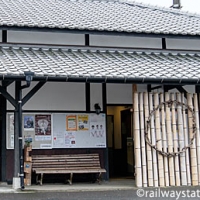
(45, 38)
(124, 41)
(119, 93)
(95, 95)
(55, 96)
(186, 44)
(0, 36)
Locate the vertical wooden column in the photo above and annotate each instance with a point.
(193, 155)
(181, 142)
(185, 130)
(159, 142)
(149, 152)
(153, 140)
(170, 142)
(137, 147)
(143, 146)
(164, 138)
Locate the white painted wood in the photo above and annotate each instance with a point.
(193, 155)
(119, 93)
(143, 145)
(170, 142)
(96, 95)
(123, 41)
(184, 44)
(159, 142)
(186, 133)
(164, 139)
(149, 150)
(137, 147)
(55, 96)
(181, 142)
(153, 141)
(196, 109)
(45, 38)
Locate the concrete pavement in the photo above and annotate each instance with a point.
(113, 184)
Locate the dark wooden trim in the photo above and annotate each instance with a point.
(4, 36)
(87, 96)
(87, 40)
(164, 43)
(104, 97)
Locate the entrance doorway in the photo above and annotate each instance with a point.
(120, 142)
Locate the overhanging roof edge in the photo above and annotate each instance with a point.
(136, 80)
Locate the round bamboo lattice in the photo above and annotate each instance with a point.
(194, 129)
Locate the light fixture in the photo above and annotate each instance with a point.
(29, 77)
(97, 108)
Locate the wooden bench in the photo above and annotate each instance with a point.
(66, 164)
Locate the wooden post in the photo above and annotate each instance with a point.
(193, 155)
(159, 142)
(196, 109)
(153, 137)
(143, 146)
(185, 129)
(181, 142)
(137, 147)
(175, 141)
(149, 152)
(164, 141)
(170, 142)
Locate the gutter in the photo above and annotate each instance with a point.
(136, 80)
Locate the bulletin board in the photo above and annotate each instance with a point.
(60, 130)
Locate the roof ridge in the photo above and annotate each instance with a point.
(161, 8)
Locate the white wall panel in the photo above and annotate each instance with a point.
(56, 96)
(119, 93)
(95, 95)
(123, 41)
(45, 38)
(186, 44)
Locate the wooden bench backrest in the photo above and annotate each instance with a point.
(74, 161)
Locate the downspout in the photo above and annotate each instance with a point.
(19, 105)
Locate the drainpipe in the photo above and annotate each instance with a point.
(18, 116)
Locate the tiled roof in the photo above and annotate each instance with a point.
(97, 15)
(67, 63)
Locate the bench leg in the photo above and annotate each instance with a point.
(99, 178)
(41, 179)
(37, 181)
(70, 180)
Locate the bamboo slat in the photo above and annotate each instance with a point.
(148, 148)
(137, 147)
(181, 142)
(186, 133)
(153, 136)
(193, 155)
(143, 146)
(159, 142)
(166, 171)
(196, 109)
(170, 142)
(175, 142)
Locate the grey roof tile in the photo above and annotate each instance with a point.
(98, 15)
(95, 63)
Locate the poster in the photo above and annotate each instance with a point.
(97, 126)
(83, 122)
(70, 139)
(29, 122)
(43, 125)
(71, 123)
